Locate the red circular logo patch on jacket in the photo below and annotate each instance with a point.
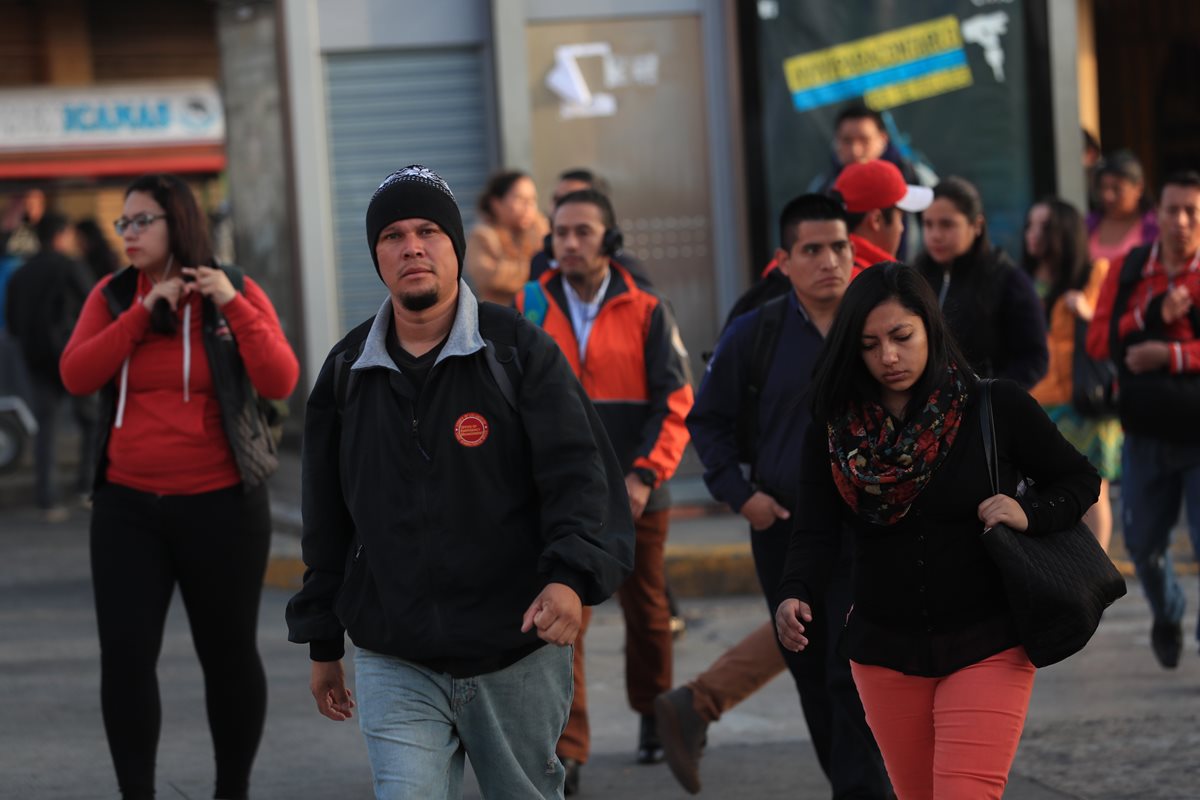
(471, 430)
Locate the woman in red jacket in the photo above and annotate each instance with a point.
(181, 351)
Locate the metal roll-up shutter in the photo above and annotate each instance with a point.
(388, 110)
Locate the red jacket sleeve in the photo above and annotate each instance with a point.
(99, 344)
(269, 360)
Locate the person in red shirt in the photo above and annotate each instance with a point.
(1147, 321)
(181, 351)
(876, 196)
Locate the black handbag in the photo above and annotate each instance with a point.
(1094, 390)
(1057, 584)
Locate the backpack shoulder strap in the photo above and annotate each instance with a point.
(766, 336)
(536, 303)
(341, 379)
(237, 276)
(119, 291)
(498, 327)
(342, 374)
(1131, 272)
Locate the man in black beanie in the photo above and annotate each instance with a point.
(461, 503)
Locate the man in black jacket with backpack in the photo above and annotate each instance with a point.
(461, 502)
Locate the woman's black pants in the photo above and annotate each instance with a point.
(214, 546)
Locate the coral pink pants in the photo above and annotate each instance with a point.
(950, 737)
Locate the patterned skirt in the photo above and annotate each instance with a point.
(1099, 439)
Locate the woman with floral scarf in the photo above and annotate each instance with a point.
(895, 459)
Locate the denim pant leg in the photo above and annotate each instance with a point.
(510, 721)
(1150, 497)
(406, 714)
(1191, 493)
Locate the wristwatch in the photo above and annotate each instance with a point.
(646, 476)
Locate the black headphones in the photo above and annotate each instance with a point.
(612, 242)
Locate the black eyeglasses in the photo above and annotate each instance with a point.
(138, 223)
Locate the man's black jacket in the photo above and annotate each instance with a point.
(429, 528)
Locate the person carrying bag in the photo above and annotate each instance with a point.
(1057, 583)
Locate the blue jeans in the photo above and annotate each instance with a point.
(1155, 476)
(420, 725)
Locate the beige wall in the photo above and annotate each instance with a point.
(1089, 87)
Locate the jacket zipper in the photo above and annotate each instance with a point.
(416, 434)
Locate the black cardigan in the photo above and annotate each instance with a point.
(994, 313)
(927, 600)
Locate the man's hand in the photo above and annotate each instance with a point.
(557, 613)
(1176, 304)
(1000, 509)
(211, 282)
(1147, 357)
(639, 494)
(789, 623)
(761, 510)
(328, 687)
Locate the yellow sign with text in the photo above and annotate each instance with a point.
(886, 70)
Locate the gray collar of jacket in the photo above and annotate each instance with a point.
(464, 338)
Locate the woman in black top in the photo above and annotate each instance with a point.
(990, 305)
(895, 454)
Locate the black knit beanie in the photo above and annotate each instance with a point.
(419, 192)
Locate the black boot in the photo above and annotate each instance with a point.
(650, 749)
(684, 734)
(1167, 640)
(571, 782)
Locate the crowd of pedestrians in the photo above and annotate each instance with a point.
(488, 456)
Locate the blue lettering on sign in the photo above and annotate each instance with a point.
(112, 117)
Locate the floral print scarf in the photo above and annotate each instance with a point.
(880, 468)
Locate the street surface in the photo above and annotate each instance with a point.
(1108, 723)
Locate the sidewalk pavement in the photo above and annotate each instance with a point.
(708, 547)
(707, 554)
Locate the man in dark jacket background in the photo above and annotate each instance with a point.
(461, 503)
(817, 257)
(43, 302)
(860, 135)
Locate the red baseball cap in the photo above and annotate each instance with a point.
(879, 184)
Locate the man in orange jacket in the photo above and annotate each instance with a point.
(621, 340)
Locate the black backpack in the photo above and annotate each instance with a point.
(766, 338)
(769, 293)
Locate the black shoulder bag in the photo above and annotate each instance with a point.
(1057, 584)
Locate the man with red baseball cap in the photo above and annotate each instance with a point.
(876, 197)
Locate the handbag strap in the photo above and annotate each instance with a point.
(987, 426)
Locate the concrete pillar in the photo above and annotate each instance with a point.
(1064, 93)
(257, 160)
